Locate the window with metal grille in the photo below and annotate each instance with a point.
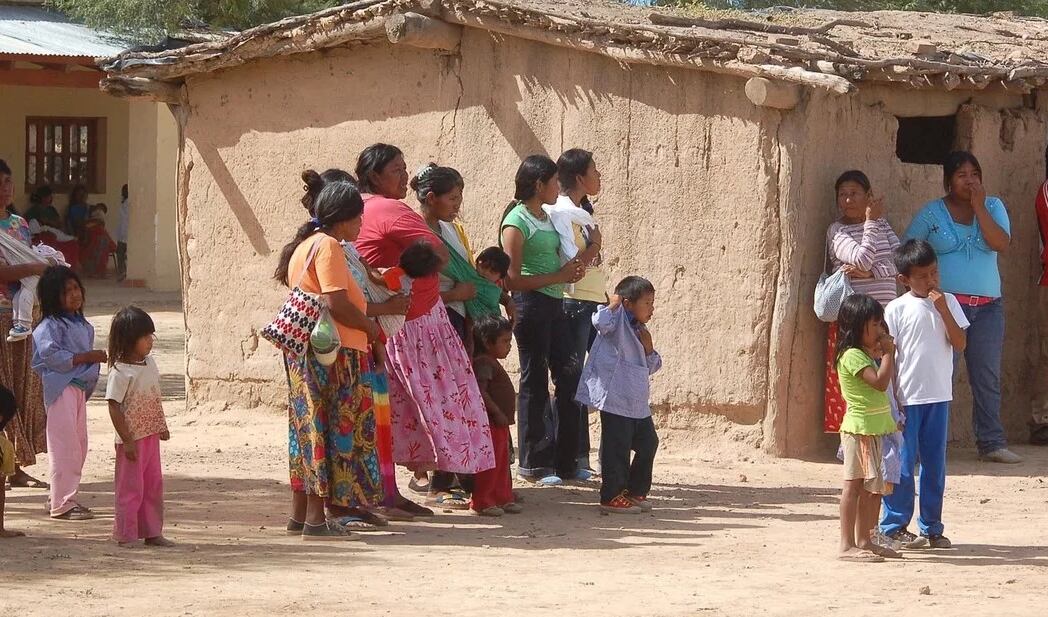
(65, 152)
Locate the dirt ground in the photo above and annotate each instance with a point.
(733, 533)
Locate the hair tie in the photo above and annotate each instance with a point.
(315, 222)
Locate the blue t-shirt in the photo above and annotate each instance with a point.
(967, 265)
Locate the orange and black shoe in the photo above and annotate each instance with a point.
(641, 502)
(620, 505)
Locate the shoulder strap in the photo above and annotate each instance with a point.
(309, 260)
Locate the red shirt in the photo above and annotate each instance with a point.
(389, 227)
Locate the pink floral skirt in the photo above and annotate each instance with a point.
(438, 415)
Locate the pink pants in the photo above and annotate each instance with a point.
(67, 444)
(139, 489)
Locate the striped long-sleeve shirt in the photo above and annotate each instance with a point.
(867, 246)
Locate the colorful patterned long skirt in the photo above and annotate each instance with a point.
(384, 433)
(439, 420)
(28, 429)
(833, 400)
(332, 442)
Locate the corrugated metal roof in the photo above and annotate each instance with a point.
(37, 31)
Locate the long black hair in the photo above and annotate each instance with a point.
(437, 180)
(51, 290)
(856, 311)
(129, 325)
(954, 161)
(38, 195)
(374, 159)
(535, 168)
(336, 202)
(572, 164)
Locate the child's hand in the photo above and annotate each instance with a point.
(645, 339)
(938, 299)
(91, 357)
(130, 451)
(888, 345)
(900, 425)
(165, 435)
(614, 302)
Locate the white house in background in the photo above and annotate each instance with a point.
(59, 129)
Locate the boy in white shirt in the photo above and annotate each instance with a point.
(929, 328)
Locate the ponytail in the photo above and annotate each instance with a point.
(337, 201)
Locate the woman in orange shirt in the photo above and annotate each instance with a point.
(332, 443)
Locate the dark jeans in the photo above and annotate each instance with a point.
(121, 260)
(618, 437)
(544, 345)
(982, 356)
(580, 323)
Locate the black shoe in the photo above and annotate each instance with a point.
(908, 540)
(939, 541)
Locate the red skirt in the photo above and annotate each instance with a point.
(834, 405)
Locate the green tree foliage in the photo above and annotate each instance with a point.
(1036, 8)
(152, 19)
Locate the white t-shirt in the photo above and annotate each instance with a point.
(136, 387)
(924, 355)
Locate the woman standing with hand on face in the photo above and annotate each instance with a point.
(968, 229)
(544, 341)
(860, 243)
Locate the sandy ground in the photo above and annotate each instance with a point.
(733, 534)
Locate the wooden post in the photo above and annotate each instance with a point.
(421, 31)
(767, 93)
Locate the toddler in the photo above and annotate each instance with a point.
(867, 420)
(615, 381)
(493, 340)
(135, 407)
(68, 368)
(18, 253)
(8, 407)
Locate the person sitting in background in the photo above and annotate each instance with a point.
(122, 226)
(41, 208)
(95, 243)
(78, 212)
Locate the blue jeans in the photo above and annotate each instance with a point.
(580, 325)
(983, 359)
(924, 440)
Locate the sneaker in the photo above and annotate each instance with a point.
(18, 333)
(908, 540)
(551, 480)
(939, 541)
(582, 475)
(1001, 455)
(620, 505)
(512, 508)
(641, 502)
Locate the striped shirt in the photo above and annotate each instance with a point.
(867, 246)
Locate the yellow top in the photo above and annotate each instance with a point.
(7, 457)
(594, 286)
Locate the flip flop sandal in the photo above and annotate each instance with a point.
(861, 557)
(397, 514)
(353, 523)
(374, 518)
(326, 531)
(419, 488)
(294, 528)
(29, 482)
(449, 501)
(79, 513)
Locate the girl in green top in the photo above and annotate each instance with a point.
(536, 279)
(863, 340)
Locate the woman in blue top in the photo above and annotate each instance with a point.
(968, 229)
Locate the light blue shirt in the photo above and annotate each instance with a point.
(967, 265)
(616, 376)
(55, 341)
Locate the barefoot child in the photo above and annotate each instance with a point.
(615, 380)
(68, 368)
(929, 328)
(493, 489)
(867, 420)
(8, 407)
(135, 407)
